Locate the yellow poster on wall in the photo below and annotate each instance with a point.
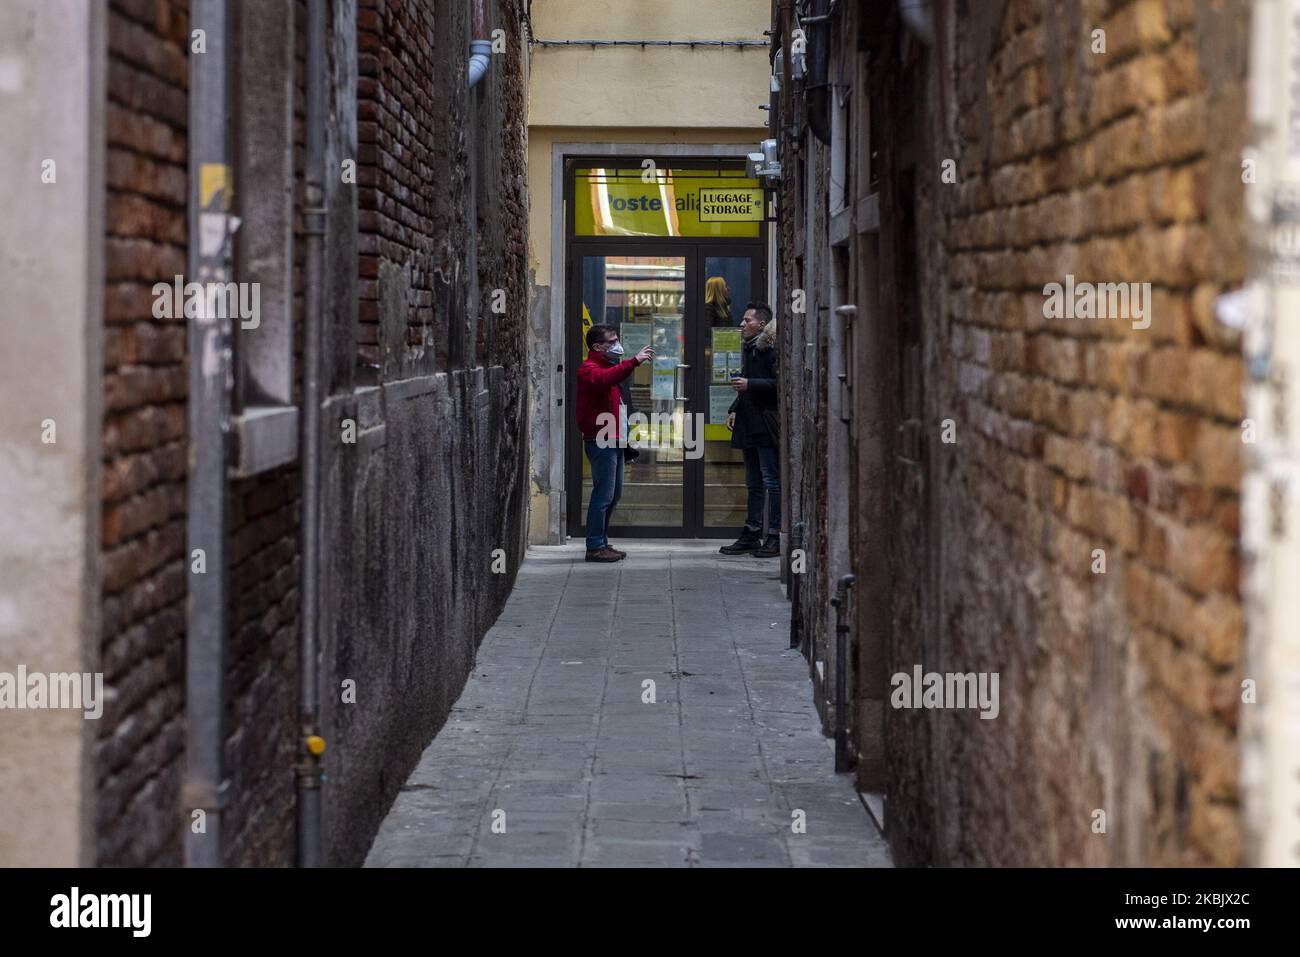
(610, 201)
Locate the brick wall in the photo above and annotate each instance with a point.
(261, 670)
(415, 510)
(404, 214)
(139, 756)
(803, 410)
(1119, 691)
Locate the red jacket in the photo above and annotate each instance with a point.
(598, 392)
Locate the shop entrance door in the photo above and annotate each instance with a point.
(686, 300)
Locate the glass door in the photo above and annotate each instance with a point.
(729, 279)
(686, 301)
(644, 298)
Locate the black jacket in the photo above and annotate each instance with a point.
(758, 364)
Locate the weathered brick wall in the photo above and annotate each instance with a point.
(139, 757)
(415, 511)
(1119, 691)
(502, 209)
(402, 139)
(500, 338)
(896, 545)
(261, 670)
(803, 405)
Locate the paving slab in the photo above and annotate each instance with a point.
(640, 714)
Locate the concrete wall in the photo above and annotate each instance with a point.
(651, 87)
(1270, 504)
(52, 73)
(429, 498)
(674, 87)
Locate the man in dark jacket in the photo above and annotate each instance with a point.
(604, 431)
(752, 419)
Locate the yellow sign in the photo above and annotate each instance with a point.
(731, 205)
(214, 178)
(661, 202)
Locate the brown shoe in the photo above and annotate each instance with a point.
(603, 555)
(617, 551)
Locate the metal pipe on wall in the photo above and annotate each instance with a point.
(785, 111)
(737, 44)
(209, 261)
(796, 612)
(787, 17)
(840, 601)
(314, 223)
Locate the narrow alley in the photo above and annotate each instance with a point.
(648, 434)
(645, 714)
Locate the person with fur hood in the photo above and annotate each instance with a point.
(753, 419)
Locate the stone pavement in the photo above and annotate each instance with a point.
(551, 757)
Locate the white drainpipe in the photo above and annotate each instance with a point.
(480, 46)
(480, 56)
(916, 15)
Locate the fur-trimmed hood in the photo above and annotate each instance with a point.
(767, 338)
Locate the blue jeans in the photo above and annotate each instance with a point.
(763, 475)
(606, 488)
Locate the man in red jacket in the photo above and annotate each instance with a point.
(602, 421)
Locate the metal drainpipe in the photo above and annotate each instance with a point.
(209, 261)
(787, 17)
(480, 44)
(314, 223)
(841, 672)
(796, 617)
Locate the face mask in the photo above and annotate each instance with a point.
(615, 350)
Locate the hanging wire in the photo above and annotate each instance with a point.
(739, 44)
